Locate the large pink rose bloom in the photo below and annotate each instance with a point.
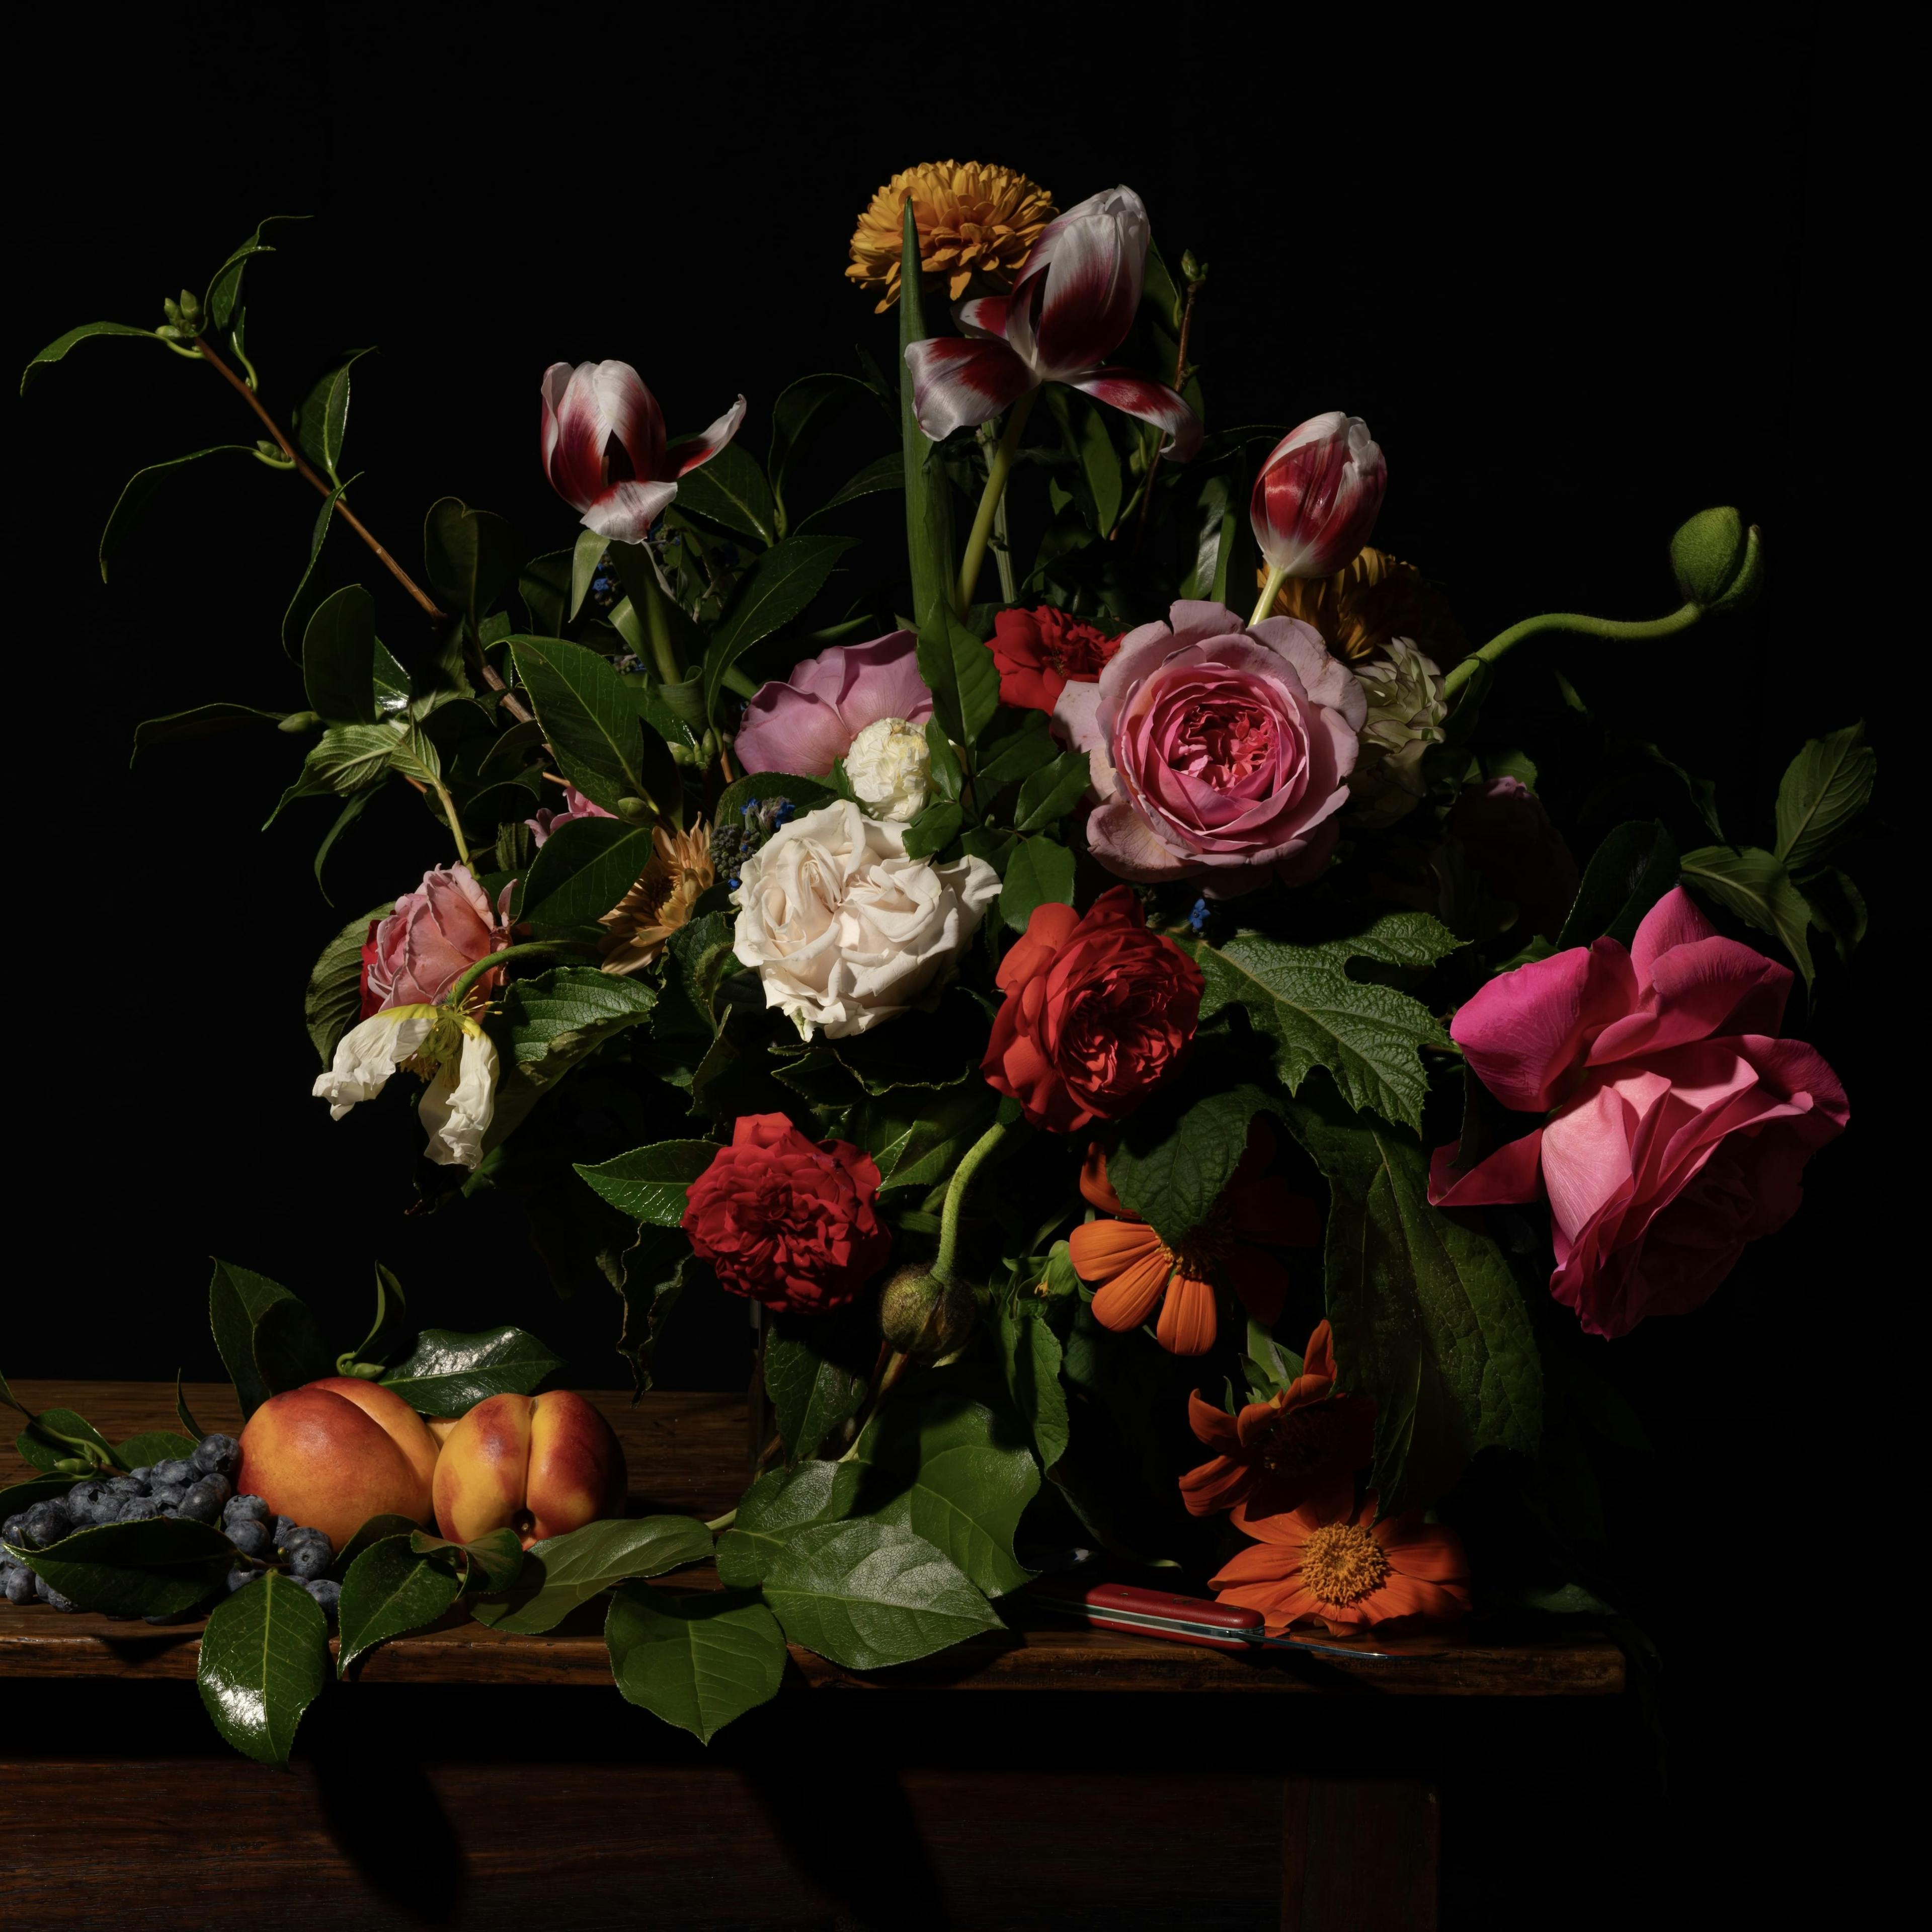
(1220, 751)
(415, 956)
(1679, 1124)
(807, 724)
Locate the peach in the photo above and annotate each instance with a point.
(540, 1464)
(336, 1452)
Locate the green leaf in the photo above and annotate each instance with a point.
(592, 725)
(730, 490)
(449, 1374)
(1302, 999)
(559, 1017)
(1628, 873)
(583, 869)
(346, 758)
(959, 671)
(1030, 1355)
(1428, 1318)
(376, 1529)
(264, 1658)
(56, 350)
(882, 473)
(157, 1445)
(801, 409)
(390, 1588)
(811, 1394)
(493, 1561)
(649, 1184)
(696, 1659)
(1824, 788)
(928, 495)
(808, 794)
(1757, 886)
(777, 588)
(1703, 794)
(156, 1568)
(781, 1501)
(1172, 1164)
(268, 1340)
(203, 721)
(472, 557)
(22, 1496)
(1083, 428)
(139, 490)
(224, 292)
(868, 1595)
(333, 999)
(1026, 752)
(338, 657)
(916, 1135)
(943, 762)
(183, 1413)
(1040, 872)
(1052, 792)
(321, 417)
(295, 619)
(934, 830)
(564, 1571)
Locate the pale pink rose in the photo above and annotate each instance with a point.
(1681, 1122)
(433, 936)
(805, 725)
(575, 805)
(1220, 751)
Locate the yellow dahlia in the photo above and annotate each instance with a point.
(972, 220)
(679, 873)
(1364, 605)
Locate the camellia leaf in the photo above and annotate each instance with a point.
(868, 1594)
(1824, 788)
(382, 1529)
(471, 557)
(776, 589)
(811, 1394)
(295, 619)
(587, 712)
(583, 869)
(959, 671)
(224, 292)
(22, 1496)
(333, 1001)
(268, 1340)
(159, 1445)
(493, 1561)
(696, 1658)
(204, 721)
(390, 1588)
(1303, 999)
(1628, 873)
(264, 1658)
(56, 350)
(1171, 1165)
(1040, 872)
(321, 417)
(563, 1571)
(1757, 885)
(806, 794)
(338, 656)
(449, 1374)
(649, 1184)
(934, 830)
(139, 490)
(159, 1566)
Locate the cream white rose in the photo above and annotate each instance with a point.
(889, 769)
(845, 930)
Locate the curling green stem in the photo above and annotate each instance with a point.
(996, 472)
(455, 822)
(1266, 603)
(722, 1523)
(956, 1198)
(528, 950)
(1479, 663)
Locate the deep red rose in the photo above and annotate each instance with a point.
(1098, 1012)
(1039, 652)
(790, 1221)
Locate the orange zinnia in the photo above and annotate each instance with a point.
(1135, 1268)
(1273, 1453)
(1331, 1562)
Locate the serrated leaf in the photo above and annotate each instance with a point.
(1823, 789)
(267, 1339)
(333, 1000)
(649, 1184)
(557, 1018)
(869, 1595)
(583, 869)
(563, 1571)
(777, 588)
(811, 1393)
(1302, 999)
(264, 1659)
(697, 1659)
(1757, 885)
(156, 1567)
(139, 489)
(1040, 872)
(448, 1374)
(1172, 1163)
(391, 1588)
(1030, 1355)
(592, 722)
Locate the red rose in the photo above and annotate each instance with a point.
(789, 1220)
(1039, 652)
(1098, 1012)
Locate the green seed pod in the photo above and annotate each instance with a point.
(1719, 564)
(924, 1317)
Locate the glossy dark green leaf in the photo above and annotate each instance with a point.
(600, 744)
(780, 1503)
(391, 1588)
(777, 588)
(583, 869)
(934, 830)
(492, 1562)
(959, 671)
(1628, 873)
(268, 1340)
(563, 1571)
(1823, 789)
(224, 299)
(472, 557)
(545, 585)
(882, 473)
(353, 807)
(56, 350)
(19, 1496)
(333, 999)
(203, 721)
(308, 591)
(929, 548)
(321, 417)
(448, 1374)
(943, 762)
(156, 1568)
(649, 1184)
(811, 1392)
(183, 1413)
(1172, 1162)
(139, 490)
(731, 491)
(800, 411)
(1029, 1354)
(1017, 758)
(697, 1658)
(338, 657)
(158, 1445)
(585, 555)
(1052, 792)
(264, 1660)
(1757, 885)
(1040, 872)
(376, 1529)
(916, 1136)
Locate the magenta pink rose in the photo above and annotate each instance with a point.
(1679, 1125)
(1219, 752)
(575, 805)
(433, 936)
(807, 724)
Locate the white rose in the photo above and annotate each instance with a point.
(887, 769)
(845, 929)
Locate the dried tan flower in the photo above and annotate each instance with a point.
(679, 873)
(973, 219)
(1363, 605)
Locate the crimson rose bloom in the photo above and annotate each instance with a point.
(1098, 1012)
(788, 1220)
(1040, 651)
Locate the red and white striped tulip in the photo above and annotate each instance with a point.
(1316, 499)
(1070, 309)
(603, 447)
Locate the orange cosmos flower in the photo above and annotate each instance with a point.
(1330, 1562)
(1274, 1453)
(1135, 1269)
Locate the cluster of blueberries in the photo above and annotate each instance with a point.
(200, 1487)
(731, 845)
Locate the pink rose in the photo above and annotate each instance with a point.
(806, 724)
(1681, 1122)
(1220, 752)
(575, 805)
(415, 956)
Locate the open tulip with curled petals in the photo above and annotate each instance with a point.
(1315, 500)
(450, 1052)
(603, 447)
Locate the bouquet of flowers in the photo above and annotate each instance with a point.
(1099, 978)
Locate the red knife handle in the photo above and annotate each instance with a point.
(1120, 1606)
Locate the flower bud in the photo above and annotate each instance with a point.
(300, 721)
(191, 309)
(1719, 564)
(924, 1317)
(634, 811)
(1193, 272)
(889, 768)
(1317, 496)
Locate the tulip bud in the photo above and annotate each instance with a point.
(1317, 496)
(1719, 563)
(924, 1317)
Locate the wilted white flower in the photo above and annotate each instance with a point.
(450, 1052)
(889, 769)
(1405, 713)
(843, 928)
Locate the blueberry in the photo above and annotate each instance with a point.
(325, 1591)
(217, 1455)
(219, 1485)
(240, 1574)
(169, 1496)
(279, 1528)
(124, 1486)
(305, 1560)
(83, 1501)
(14, 1529)
(177, 1473)
(250, 1538)
(144, 1474)
(138, 1509)
(245, 1509)
(201, 1504)
(17, 1584)
(47, 1523)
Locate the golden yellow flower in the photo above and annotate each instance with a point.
(1374, 598)
(661, 901)
(972, 220)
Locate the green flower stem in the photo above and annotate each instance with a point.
(529, 949)
(455, 822)
(657, 620)
(723, 1522)
(1479, 663)
(956, 1199)
(996, 472)
(1269, 590)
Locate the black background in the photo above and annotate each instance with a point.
(1581, 282)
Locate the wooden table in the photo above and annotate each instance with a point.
(472, 1779)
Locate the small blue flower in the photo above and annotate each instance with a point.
(732, 882)
(785, 812)
(1198, 917)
